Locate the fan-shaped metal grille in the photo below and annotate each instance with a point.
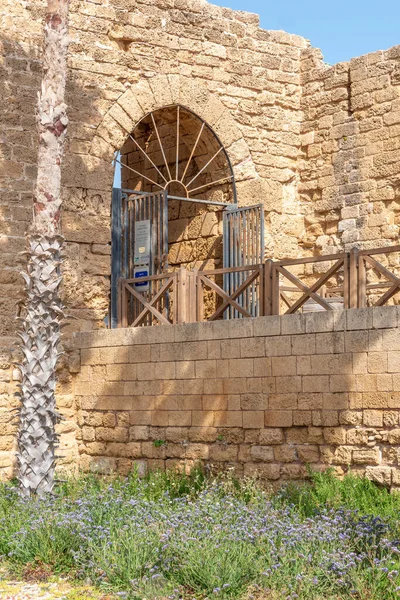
(173, 149)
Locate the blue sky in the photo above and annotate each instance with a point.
(342, 29)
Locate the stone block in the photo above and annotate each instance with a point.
(289, 385)
(201, 418)
(267, 326)
(197, 452)
(384, 317)
(350, 417)
(329, 343)
(170, 352)
(239, 328)
(310, 401)
(308, 454)
(297, 435)
(335, 436)
(228, 419)
(356, 341)
(370, 456)
(103, 465)
(390, 418)
(241, 367)
(313, 384)
(177, 418)
(138, 433)
(283, 401)
(394, 362)
(271, 436)
(252, 347)
(215, 402)
(252, 419)
(270, 472)
(185, 369)
(206, 369)
(335, 401)
(285, 453)
(293, 324)
(203, 434)
(235, 385)
(303, 344)
(278, 418)
(284, 367)
(262, 453)
(302, 417)
(373, 418)
(380, 475)
(303, 366)
(316, 322)
(214, 349)
(230, 348)
(254, 402)
(117, 434)
(315, 435)
(262, 367)
(223, 452)
(278, 346)
(195, 351)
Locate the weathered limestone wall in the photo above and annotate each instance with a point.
(266, 395)
(349, 188)
(318, 145)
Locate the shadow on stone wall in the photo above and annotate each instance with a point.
(265, 396)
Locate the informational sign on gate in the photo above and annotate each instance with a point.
(142, 250)
(141, 286)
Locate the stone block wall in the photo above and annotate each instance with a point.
(349, 179)
(268, 395)
(318, 145)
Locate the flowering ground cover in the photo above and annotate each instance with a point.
(174, 536)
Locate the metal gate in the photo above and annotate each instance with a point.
(243, 244)
(139, 243)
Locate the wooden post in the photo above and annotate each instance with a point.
(175, 298)
(346, 281)
(124, 305)
(275, 295)
(181, 296)
(199, 299)
(362, 282)
(352, 279)
(267, 294)
(191, 296)
(260, 284)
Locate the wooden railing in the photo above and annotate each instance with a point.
(354, 279)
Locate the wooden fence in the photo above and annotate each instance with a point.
(354, 279)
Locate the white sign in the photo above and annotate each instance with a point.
(142, 250)
(141, 286)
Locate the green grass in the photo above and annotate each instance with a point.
(352, 492)
(172, 536)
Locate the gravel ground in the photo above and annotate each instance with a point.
(54, 590)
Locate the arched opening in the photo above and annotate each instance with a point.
(176, 183)
(173, 145)
(172, 150)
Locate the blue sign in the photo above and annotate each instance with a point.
(138, 273)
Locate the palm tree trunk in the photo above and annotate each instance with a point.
(40, 332)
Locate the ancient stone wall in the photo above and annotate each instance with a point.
(318, 145)
(349, 188)
(267, 395)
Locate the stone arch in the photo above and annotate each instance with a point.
(151, 94)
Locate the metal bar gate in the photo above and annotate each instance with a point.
(243, 243)
(139, 244)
